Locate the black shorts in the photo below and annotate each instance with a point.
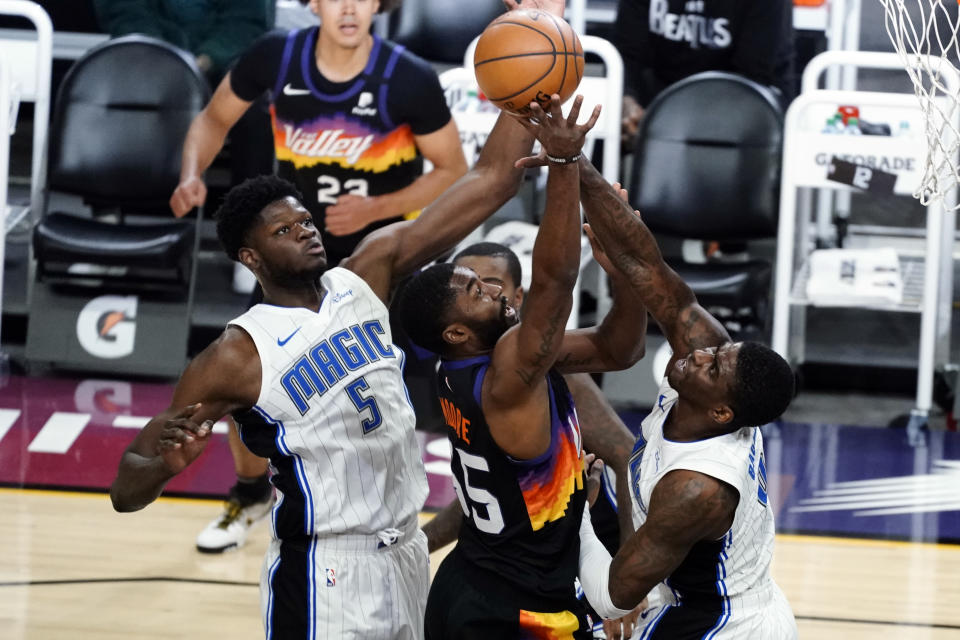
(467, 603)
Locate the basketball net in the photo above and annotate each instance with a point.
(925, 44)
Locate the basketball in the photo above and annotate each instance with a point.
(525, 56)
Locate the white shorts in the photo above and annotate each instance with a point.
(346, 587)
(761, 614)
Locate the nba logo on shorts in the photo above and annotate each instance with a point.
(331, 578)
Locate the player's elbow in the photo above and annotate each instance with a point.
(626, 358)
(621, 600)
(120, 503)
(121, 497)
(619, 356)
(626, 593)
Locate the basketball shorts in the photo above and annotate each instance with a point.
(761, 613)
(467, 603)
(350, 587)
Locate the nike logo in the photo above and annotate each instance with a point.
(281, 343)
(290, 90)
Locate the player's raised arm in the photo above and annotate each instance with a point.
(224, 377)
(619, 341)
(387, 255)
(390, 253)
(515, 383)
(632, 248)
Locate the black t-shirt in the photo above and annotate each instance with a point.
(663, 41)
(334, 138)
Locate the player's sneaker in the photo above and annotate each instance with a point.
(230, 529)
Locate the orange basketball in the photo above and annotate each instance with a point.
(525, 56)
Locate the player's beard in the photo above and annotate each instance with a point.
(489, 331)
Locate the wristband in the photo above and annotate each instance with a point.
(569, 160)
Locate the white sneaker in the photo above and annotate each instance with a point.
(229, 530)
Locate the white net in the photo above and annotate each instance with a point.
(925, 35)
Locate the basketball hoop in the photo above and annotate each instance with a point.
(925, 35)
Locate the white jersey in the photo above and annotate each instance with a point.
(723, 588)
(333, 415)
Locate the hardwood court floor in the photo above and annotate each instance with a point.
(72, 568)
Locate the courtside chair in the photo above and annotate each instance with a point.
(707, 167)
(120, 118)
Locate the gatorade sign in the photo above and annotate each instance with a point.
(106, 326)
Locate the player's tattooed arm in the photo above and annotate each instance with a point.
(531, 370)
(605, 435)
(632, 248)
(514, 392)
(686, 508)
(618, 342)
(444, 528)
(556, 257)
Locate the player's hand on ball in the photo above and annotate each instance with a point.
(559, 137)
(556, 7)
(182, 439)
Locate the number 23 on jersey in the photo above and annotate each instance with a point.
(330, 188)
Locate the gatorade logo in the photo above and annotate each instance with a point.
(106, 326)
(103, 399)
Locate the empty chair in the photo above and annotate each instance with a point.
(707, 167)
(119, 121)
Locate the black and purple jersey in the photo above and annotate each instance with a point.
(336, 138)
(522, 517)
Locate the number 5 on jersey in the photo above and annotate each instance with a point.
(363, 403)
(479, 499)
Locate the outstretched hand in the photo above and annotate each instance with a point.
(182, 439)
(559, 137)
(555, 7)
